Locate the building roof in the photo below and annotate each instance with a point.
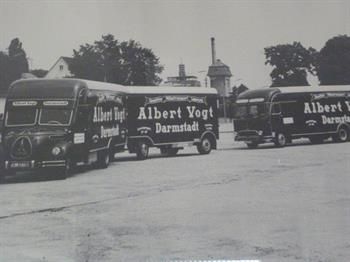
(219, 69)
(66, 59)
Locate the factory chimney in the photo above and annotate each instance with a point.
(213, 52)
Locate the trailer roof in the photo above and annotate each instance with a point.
(312, 89)
(267, 93)
(170, 90)
(95, 85)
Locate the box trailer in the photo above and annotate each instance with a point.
(170, 118)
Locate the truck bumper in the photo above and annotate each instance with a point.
(32, 164)
(253, 136)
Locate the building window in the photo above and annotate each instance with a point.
(61, 67)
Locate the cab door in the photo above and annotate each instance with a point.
(276, 118)
(80, 132)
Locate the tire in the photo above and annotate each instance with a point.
(205, 146)
(103, 159)
(2, 175)
(63, 172)
(169, 151)
(342, 135)
(280, 140)
(316, 139)
(252, 145)
(142, 150)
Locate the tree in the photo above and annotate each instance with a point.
(39, 72)
(12, 64)
(231, 103)
(333, 63)
(236, 90)
(109, 60)
(290, 62)
(4, 72)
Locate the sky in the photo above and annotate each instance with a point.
(177, 31)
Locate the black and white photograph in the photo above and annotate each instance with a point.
(174, 130)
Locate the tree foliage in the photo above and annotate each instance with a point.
(290, 62)
(333, 63)
(109, 60)
(12, 64)
(39, 72)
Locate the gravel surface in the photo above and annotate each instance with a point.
(272, 204)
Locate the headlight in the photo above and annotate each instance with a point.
(56, 151)
(260, 133)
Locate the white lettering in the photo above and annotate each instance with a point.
(142, 114)
(180, 128)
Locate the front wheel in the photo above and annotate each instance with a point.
(142, 150)
(342, 135)
(280, 140)
(103, 159)
(205, 146)
(63, 172)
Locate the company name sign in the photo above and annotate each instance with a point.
(113, 115)
(318, 108)
(175, 114)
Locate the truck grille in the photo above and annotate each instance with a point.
(21, 148)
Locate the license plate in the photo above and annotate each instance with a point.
(22, 164)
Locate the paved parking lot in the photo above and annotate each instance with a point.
(272, 204)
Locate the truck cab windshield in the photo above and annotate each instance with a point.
(21, 117)
(55, 117)
(250, 110)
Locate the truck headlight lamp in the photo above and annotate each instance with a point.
(56, 151)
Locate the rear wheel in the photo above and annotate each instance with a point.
(142, 150)
(205, 146)
(280, 140)
(342, 135)
(252, 145)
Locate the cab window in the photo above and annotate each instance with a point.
(21, 116)
(55, 116)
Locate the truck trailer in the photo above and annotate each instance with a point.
(57, 124)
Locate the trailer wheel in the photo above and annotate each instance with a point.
(342, 135)
(142, 150)
(169, 151)
(252, 145)
(205, 146)
(280, 140)
(103, 159)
